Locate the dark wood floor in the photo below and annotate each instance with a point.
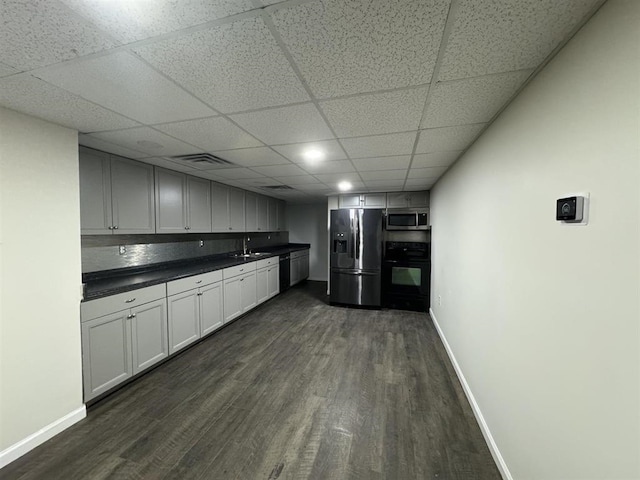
(295, 389)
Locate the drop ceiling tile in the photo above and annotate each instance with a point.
(299, 123)
(362, 46)
(280, 170)
(210, 134)
(473, 100)
(448, 138)
(253, 157)
(129, 21)
(380, 145)
(384, 175)
(233, 67)
(492, 37)
(98, 144)
(165, 163)
(341, 166)
(334, 178)
(125, 84)
(30, 95)
(39, 33)
(420, 173)
(6, 70)
(312, 187)
(373, 114)
(419, 183)
(440, 159)
(299, 180)
(237, 173)
(261, 182)
(384, 185)
(382, 163)
(147, 140)
(295, 151)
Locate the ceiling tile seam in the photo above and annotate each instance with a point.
(128, 47)
(373, 92)
(282, 5)
(444, 39)
(114, 145)
(528, 80)
(285, 51)
(138, 122)
(486, 75)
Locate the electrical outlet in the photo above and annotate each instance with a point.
(439, 300)
(123, 250)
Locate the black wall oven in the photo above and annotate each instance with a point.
(406, 275)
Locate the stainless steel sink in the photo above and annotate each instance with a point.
(249, 255)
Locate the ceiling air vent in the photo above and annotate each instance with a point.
(201, 158)
(279, 187)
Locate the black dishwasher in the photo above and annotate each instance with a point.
(285, 274)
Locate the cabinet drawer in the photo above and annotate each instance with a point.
(121, 301)
(299, 253)
(265, 262)
(238, 270)
(195, 281)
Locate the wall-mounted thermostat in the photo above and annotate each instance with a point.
(573, 209)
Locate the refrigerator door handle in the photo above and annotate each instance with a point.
(358, 274)
(357, 230)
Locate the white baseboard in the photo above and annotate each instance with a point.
(18, 449)
(484, 428)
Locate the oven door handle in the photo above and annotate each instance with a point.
(391, 261)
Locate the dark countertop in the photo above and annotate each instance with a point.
(110, 282)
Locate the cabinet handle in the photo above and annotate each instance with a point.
(130, 300)
(115, 227)
(199, 294)
(129, 316)
(230, 228)
(110, 227)
(133, 315)
(242, 269)
(242, 279)
(199, 281)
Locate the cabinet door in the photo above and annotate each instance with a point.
(282, 216)
(132, 196)
(95, 193)
(198, 205)
(418, 199)
(232, 298)
(248, 291)
(397, 200)
(374, 200)
(294, 273)
(304, 267)
(262, 285)
(349, 201)
(106, 353)
(236, 210)
(220, 208)
(273, 214)
(251, 212)
(211, 311)
(184, 323)
(273, 280)
(171, 201)
(149, 336)
(262, 213)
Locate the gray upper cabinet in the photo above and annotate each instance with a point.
(116, 194)
(408, 199)
(228, 210)
(183, 203)
(198, 205)
(273, 214)
(363, 200)
(171, 202)
(95, 192)
(262, 213)
(251, 212)
(281, 225)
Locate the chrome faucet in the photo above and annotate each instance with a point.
(244, 245)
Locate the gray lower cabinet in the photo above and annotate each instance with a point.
(184, 325)
(262, 285)
(118, 343)
(211, 308)
(232, 298)
(273, 280)
(248, 294)
(299, 266)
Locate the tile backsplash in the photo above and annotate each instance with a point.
(103, 252)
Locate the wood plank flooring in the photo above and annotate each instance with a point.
(296, 389)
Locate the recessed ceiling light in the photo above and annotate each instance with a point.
(313, 155)
(343, 186)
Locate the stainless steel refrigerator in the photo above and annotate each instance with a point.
(356, 256)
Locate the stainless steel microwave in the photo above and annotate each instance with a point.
(407, 219)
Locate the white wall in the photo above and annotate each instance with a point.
(543, 318)
(40, 279)
(308, 224)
